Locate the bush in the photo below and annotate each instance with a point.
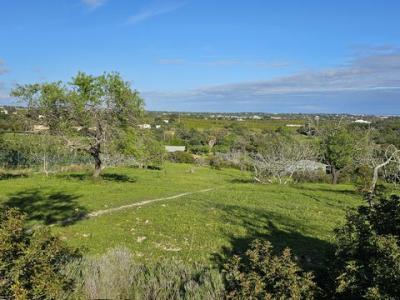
(215, 162)
(115, 275)
(261, 275)
(368, 253)
(31, 264)
(314, 177)
(181, 157)
(199, 149)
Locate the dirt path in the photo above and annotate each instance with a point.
(111, 210)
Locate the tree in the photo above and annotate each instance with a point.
(337, 149)
(370, 160)
(277, 159)
(367, 258)
(91, 113)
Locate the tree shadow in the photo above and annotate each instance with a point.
(118, 177)
(5, 176)
(310, 252)
(106, 176)
(48, 208)
(332, 188)
(242, 180)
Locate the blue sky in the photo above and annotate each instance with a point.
(202, 55)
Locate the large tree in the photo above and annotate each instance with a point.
(91, 113)
(337, 147)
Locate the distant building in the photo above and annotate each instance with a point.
(4, 111)
(166, 121)
(144, 126)
(171, 149)
(362, 122)
(309, 166)
(257, 118)
(293, 125)
(158, 126)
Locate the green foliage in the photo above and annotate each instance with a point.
(90, 112)
(31, 264)
(115, 275)
(337, 147)
(181, 157)
(368, 252)
(262, 275)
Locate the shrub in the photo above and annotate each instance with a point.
(181, 157)
(116, 275)
(215, 162)
(311, 176)
(368, 253)
(31, 264)
(261, 275)
(199, 149)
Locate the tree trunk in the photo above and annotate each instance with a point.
(335, 175)
(95, 152)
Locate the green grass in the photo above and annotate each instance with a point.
(199, 123)
(200, 227)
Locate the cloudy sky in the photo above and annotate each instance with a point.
(214, 55)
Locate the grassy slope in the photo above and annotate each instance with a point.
(195, 228)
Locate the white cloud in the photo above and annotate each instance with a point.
(159, 8)
(372, 78)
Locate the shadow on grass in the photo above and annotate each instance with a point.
(5, 176)
(48, 208)
(242, 180)
(106, 176)
(329, 188)
(117, 177)
(309, 251)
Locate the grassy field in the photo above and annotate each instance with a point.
(199, 227)
(199, 123)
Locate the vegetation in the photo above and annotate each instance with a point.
(116, 275)
(261, 275)
(195, 224)
(368, 252)
(32, 264)
(92, 113)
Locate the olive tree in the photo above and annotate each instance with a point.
(92, 114)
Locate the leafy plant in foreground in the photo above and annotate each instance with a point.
(368, 253)
(262, 275)
(31, 264)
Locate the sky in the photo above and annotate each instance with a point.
(213, 55)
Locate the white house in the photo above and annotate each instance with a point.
(362, 122)
(144, 126)
(175, 148)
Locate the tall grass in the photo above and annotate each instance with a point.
(115, 275)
